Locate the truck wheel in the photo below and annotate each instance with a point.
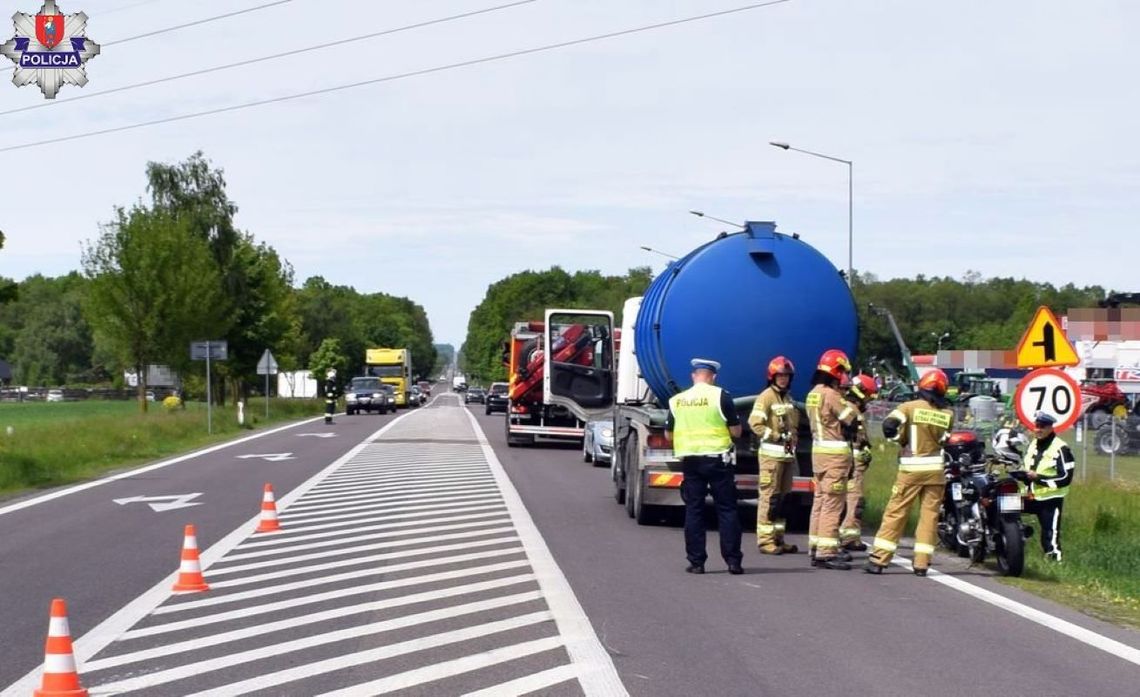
(616, 477)
(630, 471)
(1110, 441)
(643, 513)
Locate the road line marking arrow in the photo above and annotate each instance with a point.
(317, 435)
(271, 457)
(175, 501)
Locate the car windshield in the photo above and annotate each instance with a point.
(362, 384)
(499, 388)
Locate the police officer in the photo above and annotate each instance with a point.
(860, 393)
(920, 426)
(702, 423)
(775, 420)
(1049, 467)
(331, 394)
(829, 415)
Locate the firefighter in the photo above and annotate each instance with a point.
(860, 393)
(1049, 466)
(702, 423)
(331, 394)
(829, 415)
(920, 426)
(775, 421)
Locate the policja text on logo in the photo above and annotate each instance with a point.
(60, 51)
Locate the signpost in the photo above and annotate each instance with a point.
(267, 366)
(207, 351)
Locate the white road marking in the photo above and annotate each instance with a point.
(391, 512)
(270, 457)
(598, 674)
(528, 684)
(448, 669)
(385, 504)
(411, 526)
(419, 475)
(309, 526)
(149, 468)
(343, 662)
(164, 503)
(405, 484)
(407, 495)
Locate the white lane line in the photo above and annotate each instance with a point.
(387, 495)
(449, 669)
(1075, 631)
(308, 599)
(431, 494)
(402, 485)
(183, 647)
(345, 661)
(384, 514)
(385, 502)
(395, 544)
(133, 612)
(309, 526)
(442, 474)
(596, 669)
(344, 540)
(410, 526)
(394, 472)
(528, 684)
(363, 573)
(149, 468)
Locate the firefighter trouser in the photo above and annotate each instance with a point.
(775, 483)
(852, 526)
(829, 473)
(1048, 514)
(926, 486)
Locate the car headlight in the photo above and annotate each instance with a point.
(376, 395)
(607, 433)
(350, 397)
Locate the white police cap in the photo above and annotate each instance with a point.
(704, 364)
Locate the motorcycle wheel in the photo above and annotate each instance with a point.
(1011, 556)
(947, 530)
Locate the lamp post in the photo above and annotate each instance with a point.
(850, 200)
(944, 335)
(655, 251)
(701, 214)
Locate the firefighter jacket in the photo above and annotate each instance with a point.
(1054, 464)
(775, 420)
(920, 428)
(860, 441)
(828, 415)
(698, 424)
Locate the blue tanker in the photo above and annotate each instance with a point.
(743, 299)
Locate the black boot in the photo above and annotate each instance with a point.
(830, 563)
(873, 568)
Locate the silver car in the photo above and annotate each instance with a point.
(598, 443)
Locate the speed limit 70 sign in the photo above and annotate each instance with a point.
(1052, 392)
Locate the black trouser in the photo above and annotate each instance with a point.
(1048, 514)
(704, 474)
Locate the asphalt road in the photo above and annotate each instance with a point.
(408, 564)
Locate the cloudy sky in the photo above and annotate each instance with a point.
(994, 136)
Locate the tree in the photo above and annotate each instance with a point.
(153, 289)
(53, 344)
(328, 356)
(7, 287)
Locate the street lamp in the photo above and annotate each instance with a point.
(850, 200)
(700, 214)
(655, 251)
(945, 335)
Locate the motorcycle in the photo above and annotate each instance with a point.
(981, 510)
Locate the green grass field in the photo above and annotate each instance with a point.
(1100, 538)
(63, 442)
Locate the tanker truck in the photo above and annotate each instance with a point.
(741, 299)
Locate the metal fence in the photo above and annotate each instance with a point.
(1104, 447)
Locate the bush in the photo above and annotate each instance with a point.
(171, 403)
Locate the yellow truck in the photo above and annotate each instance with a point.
(394, 367)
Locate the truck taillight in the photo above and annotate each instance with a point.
(658, 441)
(519, 409)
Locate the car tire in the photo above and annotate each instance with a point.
(487, 411)
(586, 456)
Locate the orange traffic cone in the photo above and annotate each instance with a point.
(60, 676)
(190, 570)
(269, 522)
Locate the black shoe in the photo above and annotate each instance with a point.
(789, 549)
(843, 555)
(919, 572)
(830, 563)
(695, 568)
(735, 569)
(855, 546)
(873, 568)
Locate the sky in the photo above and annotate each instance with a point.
(996, 137)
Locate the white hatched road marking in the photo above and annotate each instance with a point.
(434, 506)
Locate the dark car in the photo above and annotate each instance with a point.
(497, 397)
(370, 395)
(475, 394)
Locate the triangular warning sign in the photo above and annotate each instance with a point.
(1044, 344)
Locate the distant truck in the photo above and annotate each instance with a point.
(459, 383)
(394, 367)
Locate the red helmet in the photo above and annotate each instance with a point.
(835, 363)
(864, 387)
(780, 366)
(934, 381)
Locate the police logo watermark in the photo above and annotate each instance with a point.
(50, 49)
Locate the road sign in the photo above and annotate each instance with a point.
(271, 457)
(175, 501)
(214, 350)
(1051, 391)
(1044, 344)
(267, 365)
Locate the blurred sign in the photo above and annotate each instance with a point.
(1050, 391)
(1127, 374)
(216, 350)
(267, 365)
(1044, 344)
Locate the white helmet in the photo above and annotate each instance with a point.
(1007, 443)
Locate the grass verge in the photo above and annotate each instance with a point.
(1100, 537)
(62, 443)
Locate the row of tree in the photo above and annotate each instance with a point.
(175, 269)
(970, 313)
